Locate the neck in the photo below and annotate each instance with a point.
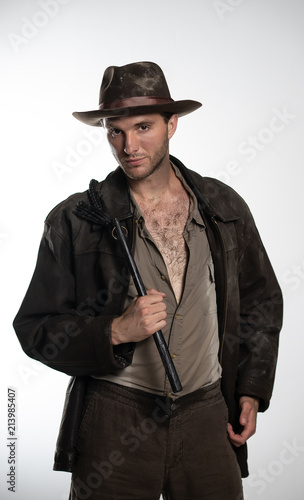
(157, 185)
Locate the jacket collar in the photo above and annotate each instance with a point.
(208, 192)
(115, 193)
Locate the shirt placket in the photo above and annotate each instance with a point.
(174, 336)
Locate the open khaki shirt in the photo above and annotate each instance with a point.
(192, 329)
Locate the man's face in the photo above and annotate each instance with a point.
(140, 143)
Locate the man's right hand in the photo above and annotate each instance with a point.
(144, 316)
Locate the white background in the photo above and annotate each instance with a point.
(244, 60)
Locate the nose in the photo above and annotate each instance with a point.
(131, 143)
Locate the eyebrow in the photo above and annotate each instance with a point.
(142, 122)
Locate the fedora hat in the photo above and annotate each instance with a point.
(136, 88)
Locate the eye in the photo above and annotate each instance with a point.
(144, 127)
(114, 132)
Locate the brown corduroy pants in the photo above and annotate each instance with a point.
(136, 446)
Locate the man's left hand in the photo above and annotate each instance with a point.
(248, 418)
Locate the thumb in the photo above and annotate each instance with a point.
(243, 419)
(244, 416)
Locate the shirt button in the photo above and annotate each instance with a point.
(173, 355)
(163, 277)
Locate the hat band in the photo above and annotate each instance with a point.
(135, 101)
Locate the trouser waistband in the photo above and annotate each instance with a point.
(147, 400)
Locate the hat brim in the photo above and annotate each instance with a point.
(181, 108)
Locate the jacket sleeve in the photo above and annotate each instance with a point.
(261, 311)
(52, 330)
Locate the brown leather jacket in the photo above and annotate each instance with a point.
(80, 282)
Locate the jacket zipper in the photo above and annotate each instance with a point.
(222, 336)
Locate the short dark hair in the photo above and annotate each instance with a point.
(166, 116)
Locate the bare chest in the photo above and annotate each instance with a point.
(166, 223)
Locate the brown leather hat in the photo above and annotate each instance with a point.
(136, 88)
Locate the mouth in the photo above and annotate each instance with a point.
(133, 162)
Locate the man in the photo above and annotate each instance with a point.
(211, 289)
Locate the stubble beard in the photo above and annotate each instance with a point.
(156, 163)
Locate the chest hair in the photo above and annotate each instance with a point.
(166, 222)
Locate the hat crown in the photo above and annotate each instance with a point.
(136, 88)
(133, 80)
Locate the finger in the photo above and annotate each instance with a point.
(159, 307)
(153, 323)
(148, 301)
(152, 291)
(159, 325)
(236, 439)
(153, 316)
(240, 439)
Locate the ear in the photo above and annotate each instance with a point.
(172, 125)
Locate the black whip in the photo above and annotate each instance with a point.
(97, 213)
(158, 336)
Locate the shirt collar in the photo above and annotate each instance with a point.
(194, 214)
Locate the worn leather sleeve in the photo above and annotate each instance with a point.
(261, 311)
(53, 326)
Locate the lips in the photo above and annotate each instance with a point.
(133, 162)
